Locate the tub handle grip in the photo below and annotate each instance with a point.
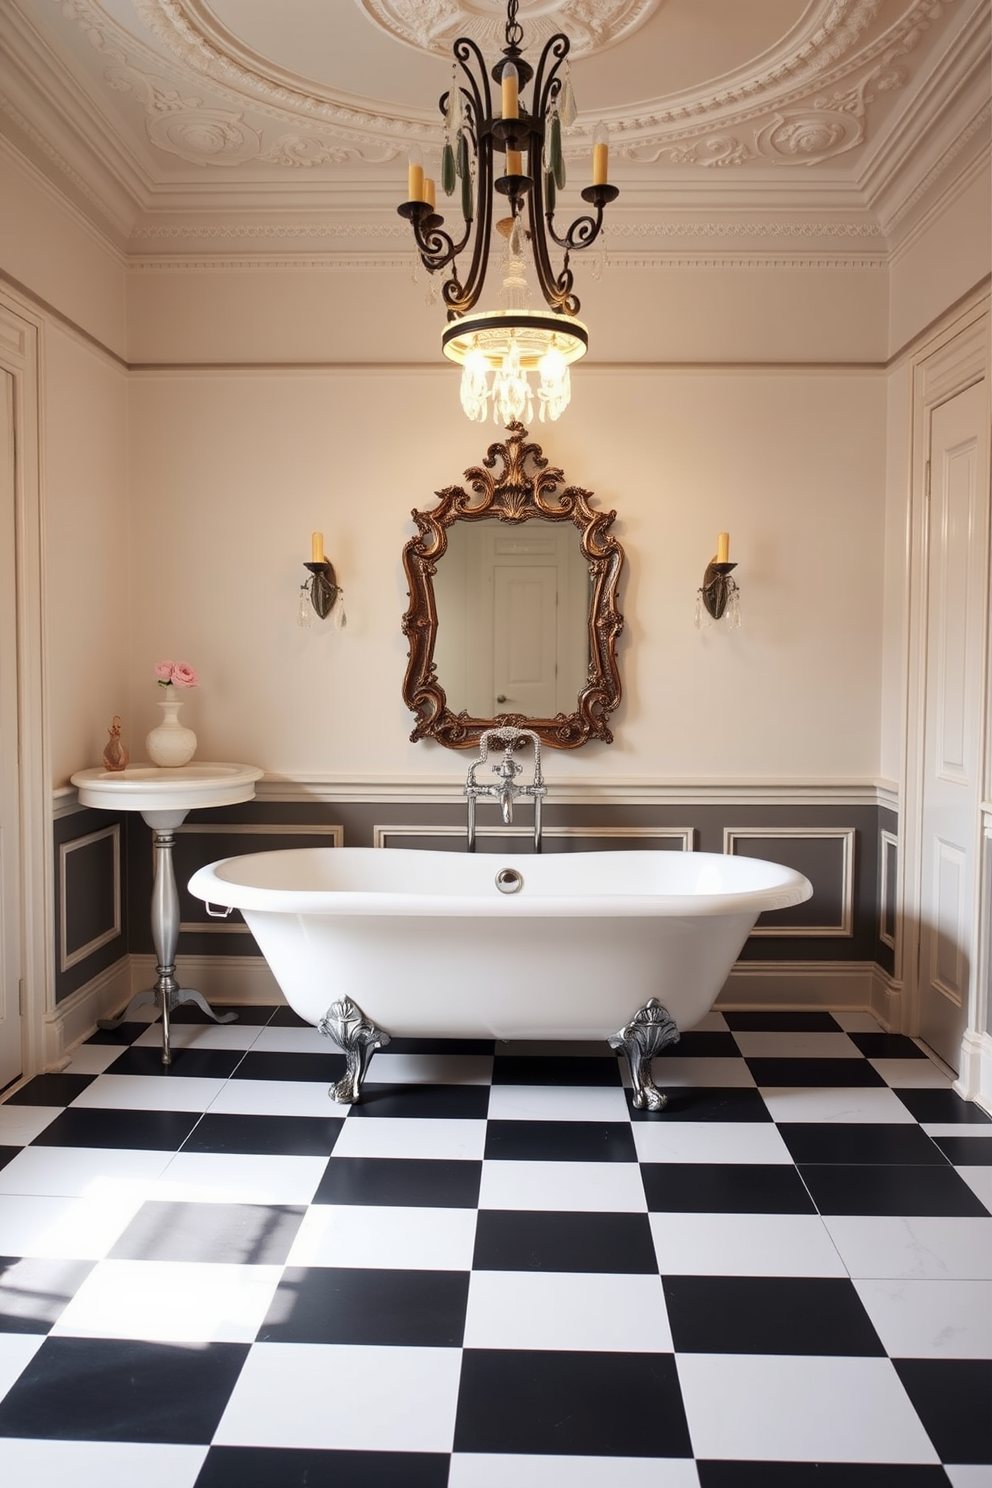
(218, 913)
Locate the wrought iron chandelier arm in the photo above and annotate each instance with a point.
(556, 288)
(582, 234)
(460, 295)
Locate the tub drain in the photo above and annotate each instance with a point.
(509, 881)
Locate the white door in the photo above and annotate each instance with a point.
(10, 853)
(956, 577)
(525, 639)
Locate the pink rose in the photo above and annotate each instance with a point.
(164, 671)
(184, 676)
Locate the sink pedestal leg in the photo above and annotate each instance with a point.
(165, 935)
(651, 1029)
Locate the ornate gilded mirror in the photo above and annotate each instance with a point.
(513, 605)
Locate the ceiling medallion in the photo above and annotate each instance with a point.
(515, 154)
(434, 25)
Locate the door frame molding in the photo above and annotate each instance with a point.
(947, 364)
(21, 355)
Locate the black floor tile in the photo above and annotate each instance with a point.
(291, 1136)
(942, 1106)
(33, 1291)
(50, 1090)
(124, 1034)
(233, 1234)
(440, 1046)
(101, 1126)
(536, 1240)
(725, 1188)
(703, 1045)
(302, 1467)
(190, 1064)
(818, 1315)
(953, 1399)
(597, 1404)
(347, 1305)
(819, 1475)
(322, 1069)
(7, 1154)
(284, 1017)
(823, 1073)
(560, 1141)
(451, 1102)
(428, 1183)
(252, 1014)
(111, 1389)
(561, 1069)
(783, 1022)
(967, 1152)
(854, 1142)
(704, 1103)
(899, 1189)
(886, 1046)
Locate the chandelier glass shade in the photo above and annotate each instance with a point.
(513, 153)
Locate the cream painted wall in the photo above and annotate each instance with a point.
(87, 574)
(936, 267)
(230, 472)
(899, 398)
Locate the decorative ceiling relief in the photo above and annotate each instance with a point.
(433, 25)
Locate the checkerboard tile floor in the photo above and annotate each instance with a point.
(495, 1271)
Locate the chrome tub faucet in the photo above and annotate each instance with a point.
(505, 789)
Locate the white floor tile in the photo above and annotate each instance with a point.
(922, 1248)
(140, 1093)
(979, 1180)
(429, 1069)
(956, 1128)
(558, 1310)
(911, 1074)
(351, 1398)
(410, 1136)
(54, 1464)
(276, 1098)
(65, 1228)
(855, 1103)
(761, 1044)
(92, 1059)
(558, 1103)
(16, 1352)
(202, 1036)
(711, 1022)
(471, 1470)
(709, 1142)
(855, 1020)
(744, 1245)
(170, 1302)
(579, 1186)
(82, 1171)
(239, 1178)
(293, 1041)
(931, 1319)
(19, 1125)
(969, 1475)
(380, 1236)
(778, 1408)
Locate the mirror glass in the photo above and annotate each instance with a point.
(513, 613)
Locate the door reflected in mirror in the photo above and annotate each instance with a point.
(513, 613)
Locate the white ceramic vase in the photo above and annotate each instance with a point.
(171, 744)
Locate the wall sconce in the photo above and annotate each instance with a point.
(719, 594)
(320, 593)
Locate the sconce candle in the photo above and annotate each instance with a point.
(317, 547)
(723, 547)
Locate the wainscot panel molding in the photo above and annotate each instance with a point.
(830, 870)
(519, 839)
(89, 895)
(75, 1017)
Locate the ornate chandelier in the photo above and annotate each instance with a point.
(516, 154)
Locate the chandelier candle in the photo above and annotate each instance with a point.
(600, 155)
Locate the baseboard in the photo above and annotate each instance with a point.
(236, 979)
(886, 1000)
(975, 1080)
(76, 1016)
(799, 984)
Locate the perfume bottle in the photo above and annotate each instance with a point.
(115, 755)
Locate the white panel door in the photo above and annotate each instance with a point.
(958, 557)
(10, 853)
(525, 639)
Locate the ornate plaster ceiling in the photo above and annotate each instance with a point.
(160, 111)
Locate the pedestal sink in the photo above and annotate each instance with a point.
(164, 797)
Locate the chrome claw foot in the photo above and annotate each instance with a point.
(347, 1025)
(651, 1029)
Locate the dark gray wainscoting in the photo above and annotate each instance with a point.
(91, 896)
(838, 848)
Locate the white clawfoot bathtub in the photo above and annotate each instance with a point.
(630, 947)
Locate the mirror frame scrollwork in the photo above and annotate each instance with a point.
(514, 484)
